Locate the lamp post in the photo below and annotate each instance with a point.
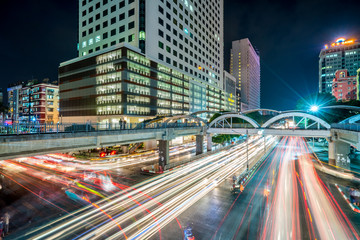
(247, 151)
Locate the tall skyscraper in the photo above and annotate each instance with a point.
(342, 54)
(245, 66)
(187, 35)
(142, 58)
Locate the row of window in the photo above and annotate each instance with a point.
(130, 38)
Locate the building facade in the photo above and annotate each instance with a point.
(13, 93)
(34, 102)
(245, 66)
(121, 83)
(230, 90)
(1, 96)
(186, 35)
(345, 87)
(166, 57)
(342, 54)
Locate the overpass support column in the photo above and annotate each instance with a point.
(209, 142)
(199, 144)
(149, 145)
(125, 149)
(338, 154)
(163, 153)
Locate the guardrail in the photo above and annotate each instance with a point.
(347, 126)
(18, 129)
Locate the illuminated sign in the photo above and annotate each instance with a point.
(340, 42)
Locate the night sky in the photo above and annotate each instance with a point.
(36, 35)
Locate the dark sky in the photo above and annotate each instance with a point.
(36, 35)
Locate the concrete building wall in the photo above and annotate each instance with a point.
(345, 87)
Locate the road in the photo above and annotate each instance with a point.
(284, 199)
(142, 210)
(40, 188)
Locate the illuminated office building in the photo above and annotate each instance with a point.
(342, 54)
(245, 66)
(184, 37)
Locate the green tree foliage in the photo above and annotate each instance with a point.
(318, 99)
(326, 99)
(222, 138)
(260, 119)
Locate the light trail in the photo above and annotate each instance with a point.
(297, 177)
(176, 191)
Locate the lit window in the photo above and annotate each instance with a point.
(142, 35)
(84, 44)
(91, 41)
(97, 39)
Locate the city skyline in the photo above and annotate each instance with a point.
(51, 37)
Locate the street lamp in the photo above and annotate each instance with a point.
(314, 108)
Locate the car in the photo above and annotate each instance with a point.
(188, 235)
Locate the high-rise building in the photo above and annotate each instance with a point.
(187, 35)
(34, 102)
(230, 88)
(342, 54)
(153, 57)
(1, 96)
(245, 66)
(345, 87)
(13, 93)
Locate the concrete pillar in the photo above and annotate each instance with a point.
(163, 153)
(209, 142)
(199, 144)
(125, 149)
(332, 154)
(149, 145)
(338, 154)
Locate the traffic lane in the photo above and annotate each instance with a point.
(329, 182)
(184, 176)
(34, 202)
(221, 209)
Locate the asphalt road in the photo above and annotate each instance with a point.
(284, 199)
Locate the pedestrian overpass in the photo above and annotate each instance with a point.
(41, 139)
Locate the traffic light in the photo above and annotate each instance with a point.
(102, 154)
(113, 152)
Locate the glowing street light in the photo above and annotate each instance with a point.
(314, 108)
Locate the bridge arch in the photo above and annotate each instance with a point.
(261, 110)
(201, 112)
(346, 107)
(222, 120)
(352, 119)
(303, 115)
(178, 117)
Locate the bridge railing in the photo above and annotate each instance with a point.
(18, 129)
(346, 126)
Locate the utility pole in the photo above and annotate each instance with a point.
(247, 151)
(264, 144)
